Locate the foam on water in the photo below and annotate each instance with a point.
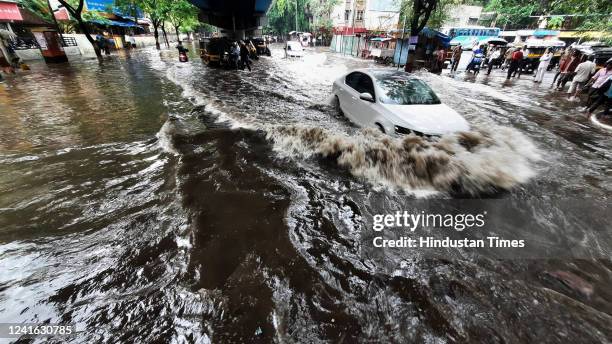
(473, 162)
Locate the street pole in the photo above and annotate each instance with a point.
(399, 60)
(353, 26)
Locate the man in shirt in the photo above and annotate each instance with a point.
(582, 74)
(456, 57)
(517, 58)
(493, 59)
(597, 81)
(567, 72)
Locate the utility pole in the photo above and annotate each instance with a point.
(399, 60)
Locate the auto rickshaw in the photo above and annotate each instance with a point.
(213, 49)
(535, 48)
(261, 46)
(600, 52)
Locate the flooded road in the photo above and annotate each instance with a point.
(150, 200)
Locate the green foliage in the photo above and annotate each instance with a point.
(281, 16)
(182, 13)
(555, 22)
(514, 12)
(95, 15)
(38, 7)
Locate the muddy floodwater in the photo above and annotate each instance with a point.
(147, 200)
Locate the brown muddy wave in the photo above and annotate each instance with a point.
(474, 162)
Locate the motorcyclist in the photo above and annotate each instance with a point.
(182, 52)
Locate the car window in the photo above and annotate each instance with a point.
(360, 82)
(405, 91)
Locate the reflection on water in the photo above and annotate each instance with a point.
(150, 200)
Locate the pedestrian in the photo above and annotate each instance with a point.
(456, 56)
(602, 96)
(130, 41)
(440, 58)
(567, 73)
(493, 59)
(244, 56)
(507, 58)
(515, 62)
(597, 81)
(565, 57)
(583, 73)
(543, 66)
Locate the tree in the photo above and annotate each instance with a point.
(282, 13)
(157, 10)
(418, 12)
(75, 8)
(322, 11)
(182, 12)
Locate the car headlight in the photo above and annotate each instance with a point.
(405, 131)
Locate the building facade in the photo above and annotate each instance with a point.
(366, 15)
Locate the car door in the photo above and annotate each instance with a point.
(365, 111)
(346, 94)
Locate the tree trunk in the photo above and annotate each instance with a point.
(156, 35)
(76, 13)
(421, 11)
(163, 27)
(176, 28)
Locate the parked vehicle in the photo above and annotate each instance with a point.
(261, 46)
(294, 49)
(395, 102)
(535, 48)
(213, 49)
(600, 51)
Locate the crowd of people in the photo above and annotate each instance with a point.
(575, 68)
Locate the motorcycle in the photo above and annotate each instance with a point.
(183, 57)
(475, 64)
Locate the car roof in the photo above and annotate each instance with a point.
(382, 73)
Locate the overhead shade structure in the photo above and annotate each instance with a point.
(109, 22)
(493, 40)
(9, 11)
(233, 14)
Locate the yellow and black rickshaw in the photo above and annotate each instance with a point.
(212, 50)
(535, 48)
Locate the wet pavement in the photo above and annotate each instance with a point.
(150, 200)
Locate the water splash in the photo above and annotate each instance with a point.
(482, 160)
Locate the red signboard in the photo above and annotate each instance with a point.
(62, 15)
(9, 11)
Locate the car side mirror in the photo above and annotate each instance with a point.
(366, 96)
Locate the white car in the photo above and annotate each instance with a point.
(294, 49)
(395, 102)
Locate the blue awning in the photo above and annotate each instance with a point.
(109, 22)
(380, 39)
(467, 41)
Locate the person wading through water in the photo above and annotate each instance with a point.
(244, 56)
(517, 59)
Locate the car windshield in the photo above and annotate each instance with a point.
(400, 89)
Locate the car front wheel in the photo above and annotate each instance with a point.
(337, 106)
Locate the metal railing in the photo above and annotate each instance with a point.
(69, 42)
(23, 43)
